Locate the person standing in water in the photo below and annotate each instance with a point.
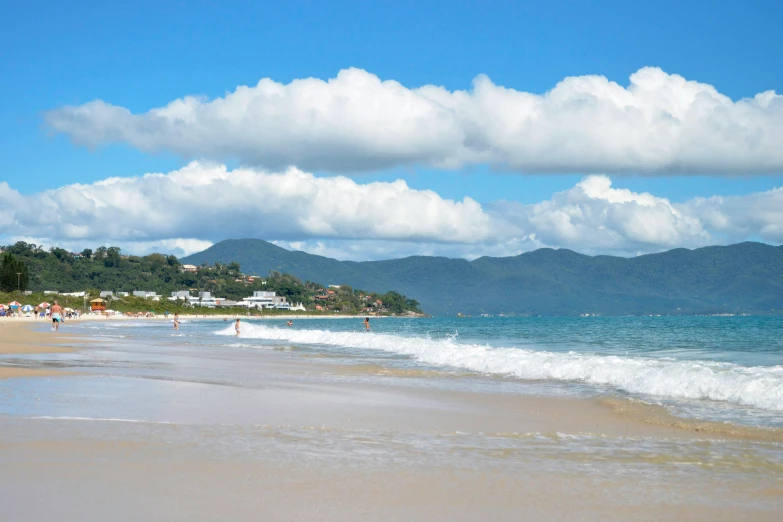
(366, 324)
(176, 321)
(236, 326)
(57, 316)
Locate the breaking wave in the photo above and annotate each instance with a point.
(756, 386)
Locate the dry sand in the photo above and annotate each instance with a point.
(17, 337)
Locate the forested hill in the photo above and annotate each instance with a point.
(108, 269)
(741, 278)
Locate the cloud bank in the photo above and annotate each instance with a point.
(188, 209)
(659, 123)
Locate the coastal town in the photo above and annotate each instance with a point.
(105, 280)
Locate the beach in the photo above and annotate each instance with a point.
(128, 420)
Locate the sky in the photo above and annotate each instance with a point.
(364, 130)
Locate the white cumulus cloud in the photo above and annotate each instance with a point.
(658, 123)
(189, 209)
(209, 202)
(595, 217)
(755, 216)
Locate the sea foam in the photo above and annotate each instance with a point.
(756, 386)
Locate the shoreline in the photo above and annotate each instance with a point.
(606, 414)
(161, 317)
(224, 433)
(19, 339)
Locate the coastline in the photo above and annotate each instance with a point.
(291, 438)
(18, 338)
(606, 415)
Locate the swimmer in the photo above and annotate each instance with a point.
(236, 326)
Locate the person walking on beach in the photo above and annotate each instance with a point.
(236, 326)
(57, 312)
(366, 324)
(176, 321)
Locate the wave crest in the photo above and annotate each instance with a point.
(756, 386)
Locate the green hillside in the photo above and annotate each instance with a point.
(747, 277)
(26, 266)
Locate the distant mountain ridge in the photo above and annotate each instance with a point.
(742, 278)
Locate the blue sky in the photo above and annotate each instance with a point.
(143, 55)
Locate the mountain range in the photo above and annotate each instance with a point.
(742, 278)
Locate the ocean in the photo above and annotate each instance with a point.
(719, 368)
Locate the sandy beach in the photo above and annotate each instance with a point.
(266, 437)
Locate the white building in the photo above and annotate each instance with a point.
(263, 299)
(183, 295)
(206, 299)
(74, 294)
(144, 294)
(189, 268)
(106, 293)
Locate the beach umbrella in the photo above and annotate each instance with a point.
(2, 307)
(43, 305)
(27, 308)
(14, 304)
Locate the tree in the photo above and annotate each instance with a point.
(112, 257)
(13, 274)
(87, 253)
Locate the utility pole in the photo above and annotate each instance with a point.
(19, 281)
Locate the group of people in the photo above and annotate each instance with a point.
(57, 313)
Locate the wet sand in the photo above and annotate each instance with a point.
(18, 338)
(91, 482)
(269, 438)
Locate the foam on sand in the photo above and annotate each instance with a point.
(756, 386)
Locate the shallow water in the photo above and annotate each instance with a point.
(717, 368)
(207, 388)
